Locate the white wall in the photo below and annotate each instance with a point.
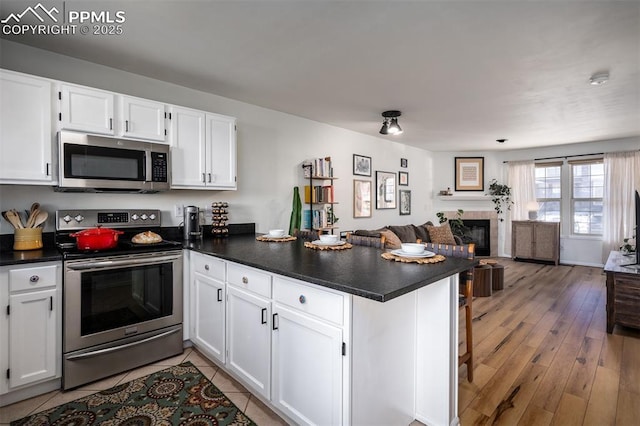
(271, 148)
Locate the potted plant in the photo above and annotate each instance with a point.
(501, 197)
(628, 245)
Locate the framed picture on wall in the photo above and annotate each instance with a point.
(403, 178)
(361, 165)
(385, 190)
(404, 162)
(405, 202)
(361, 198)
(469, 174)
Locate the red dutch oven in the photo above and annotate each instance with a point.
(96, 238)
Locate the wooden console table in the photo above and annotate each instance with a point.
(623, 292)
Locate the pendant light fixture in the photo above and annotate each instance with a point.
(390, 124)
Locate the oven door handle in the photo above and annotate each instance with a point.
(126, 262)
(120, 347)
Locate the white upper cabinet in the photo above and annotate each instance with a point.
(87, 110)
(203, 150)
(142, 119)
(26, 136)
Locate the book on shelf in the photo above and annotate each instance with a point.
(318, 194)
(319, 167)
(316, 219)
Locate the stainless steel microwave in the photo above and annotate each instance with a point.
(91, 163)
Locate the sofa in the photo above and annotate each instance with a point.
(394, 235)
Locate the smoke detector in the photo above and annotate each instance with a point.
(599, 78)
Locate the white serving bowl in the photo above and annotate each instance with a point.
(276, 232)
(328, 238)
(412, 248)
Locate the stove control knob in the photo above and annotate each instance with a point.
(79, 218)
(67, 218)
(134, 217)
(152, 216)
(144, 217)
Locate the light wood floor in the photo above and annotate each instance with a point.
(542, 354)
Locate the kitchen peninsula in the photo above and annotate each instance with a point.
(394, 326)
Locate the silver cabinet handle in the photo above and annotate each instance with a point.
(34, 278)
(302, 299)
(203, 178)
(111, 124)
(209, 177)
(245, 280)
(126, 125)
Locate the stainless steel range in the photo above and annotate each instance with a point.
(122, 306)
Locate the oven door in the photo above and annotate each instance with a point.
(111, 298)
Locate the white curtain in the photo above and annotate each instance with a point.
(621, 179)
(521, 178)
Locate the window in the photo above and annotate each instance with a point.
(548, 191)
(587, 186)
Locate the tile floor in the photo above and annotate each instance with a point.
(239, 395)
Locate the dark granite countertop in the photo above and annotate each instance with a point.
(360, 270)
(10, 257)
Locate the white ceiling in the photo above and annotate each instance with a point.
(463, 73)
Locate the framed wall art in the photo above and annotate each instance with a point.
(361, 165)
(469, 174)
(385, 190)
(404, 163)
(361, 198)
(403, 178)
(405, 202)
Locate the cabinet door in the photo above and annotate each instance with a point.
(522, 240)
(187, 148)
(142, 119)
(26, 136)
(249, 338)
(32, 336)
(221, 154)
(208, 316)
(87, 110)
(307, 368)
(546, 241)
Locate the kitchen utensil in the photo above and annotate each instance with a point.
(13, 218)
(31, 215)
(40, 217)
(96, 238)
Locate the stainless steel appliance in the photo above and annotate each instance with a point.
(123, 306)
(90, 163)
(192, 228)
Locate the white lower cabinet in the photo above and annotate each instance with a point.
(31, 326)
(208, 294)
(307, 368)
(249, 338)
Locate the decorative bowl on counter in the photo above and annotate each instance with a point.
(276, 233)
(328, 238)
(412, 248)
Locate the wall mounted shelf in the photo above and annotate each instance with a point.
(464, 197)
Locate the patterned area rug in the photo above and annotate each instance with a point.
(179, 395)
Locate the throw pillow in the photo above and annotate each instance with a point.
(406, 233)
(441, 234)
(367, 233)
(391, 240)
(421, 233)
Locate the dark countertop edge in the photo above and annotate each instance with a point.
(323, 283)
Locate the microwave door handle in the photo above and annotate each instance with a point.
(127, 262)
(147, 166)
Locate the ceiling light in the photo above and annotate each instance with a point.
(599, 78)
(390, 124)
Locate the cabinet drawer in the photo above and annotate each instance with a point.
(32, 278)
(314, 301)
(249, 279)
(208, 265)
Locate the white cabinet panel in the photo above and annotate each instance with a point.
(249, 338)
(307, 368)
(85, 109)
(142, 119)
(32, 330)
(221, 158)
(26, 136)
(188, 159)
(208, 315)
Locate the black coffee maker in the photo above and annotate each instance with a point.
(192, 228)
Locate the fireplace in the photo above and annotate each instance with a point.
(480, 233)
(490, 245)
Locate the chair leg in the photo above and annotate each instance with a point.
(469, 340)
